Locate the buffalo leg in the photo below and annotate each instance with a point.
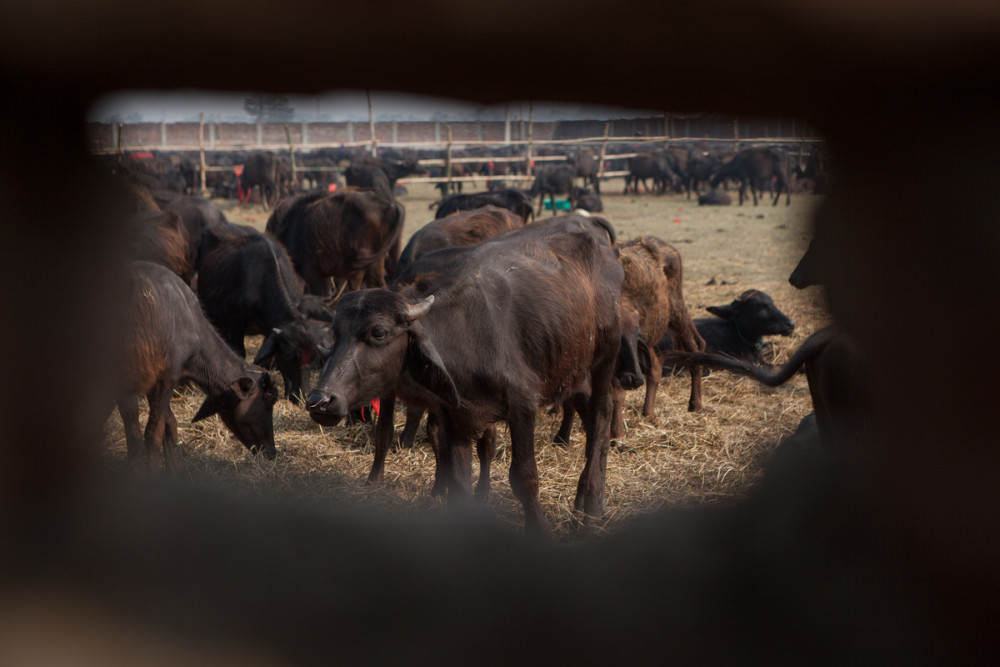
(523, 474)
(687, 339)
(653, 377)
(617, 405)
(128, 408)
(441, 459)
(456, 453)
(486, 448)
(169, 437)
(159, 405)
(384, 427)
(409, 435)
(565, 426)
(597, 424)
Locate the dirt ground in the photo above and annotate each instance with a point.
(680, 458)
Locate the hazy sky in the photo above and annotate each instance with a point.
(186, 105)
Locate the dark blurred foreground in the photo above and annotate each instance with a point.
(882, 553)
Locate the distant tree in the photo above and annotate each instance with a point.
(266, 107)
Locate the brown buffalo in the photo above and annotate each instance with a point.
(653, 288)
(167, 341)
(537, 314)
(351, 235)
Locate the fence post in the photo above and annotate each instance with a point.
(506, 125)
(531, 134)
(371, 123)
(447, 162)
(163, 134)
(203, 191)
(291, 155)
(736, 135)
(121, 144)
(604, 148)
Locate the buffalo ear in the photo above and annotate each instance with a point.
(265, 356)
(243, 386)
(725, 312)
(207, 409)
(424, 364)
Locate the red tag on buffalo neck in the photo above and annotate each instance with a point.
(376, 405)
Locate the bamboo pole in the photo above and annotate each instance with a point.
(371, 122)
(604, 148)
(447, 162)
(203, 190)
(531, 134)
(506, 125)
(291, 154)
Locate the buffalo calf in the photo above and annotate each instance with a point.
(168, 341)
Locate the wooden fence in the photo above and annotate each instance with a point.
(735, 142)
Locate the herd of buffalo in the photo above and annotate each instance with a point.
(489, 313)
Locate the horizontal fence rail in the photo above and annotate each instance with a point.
(527, 146)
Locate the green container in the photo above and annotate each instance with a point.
(561, 205)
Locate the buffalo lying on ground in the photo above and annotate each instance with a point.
(351, 235)
(715, 197)
(510, 198)
(544, 333)
(168, 341)
(738, 328)
(837, 382)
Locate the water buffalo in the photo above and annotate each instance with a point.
(261, 170)
(700, 166)
(738, 329)
(510, 198)
(161, 237)
(197, 213)
(380, 174)
(167, 341)
(246, 283)
(552, 180)
(537, 311)
(351, 235)
(715, 197)
(753, 166)
(653, 288)
(462, 228)
(662, 167)
(837, 382)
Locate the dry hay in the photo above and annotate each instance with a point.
(680, 458)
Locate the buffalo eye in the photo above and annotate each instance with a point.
(378, 334)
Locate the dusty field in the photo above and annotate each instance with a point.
(682, 458)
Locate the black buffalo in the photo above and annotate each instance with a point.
(552, 180)
(753, 167)
(510, 198)
(738, 329)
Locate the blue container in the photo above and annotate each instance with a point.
(561, 205)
